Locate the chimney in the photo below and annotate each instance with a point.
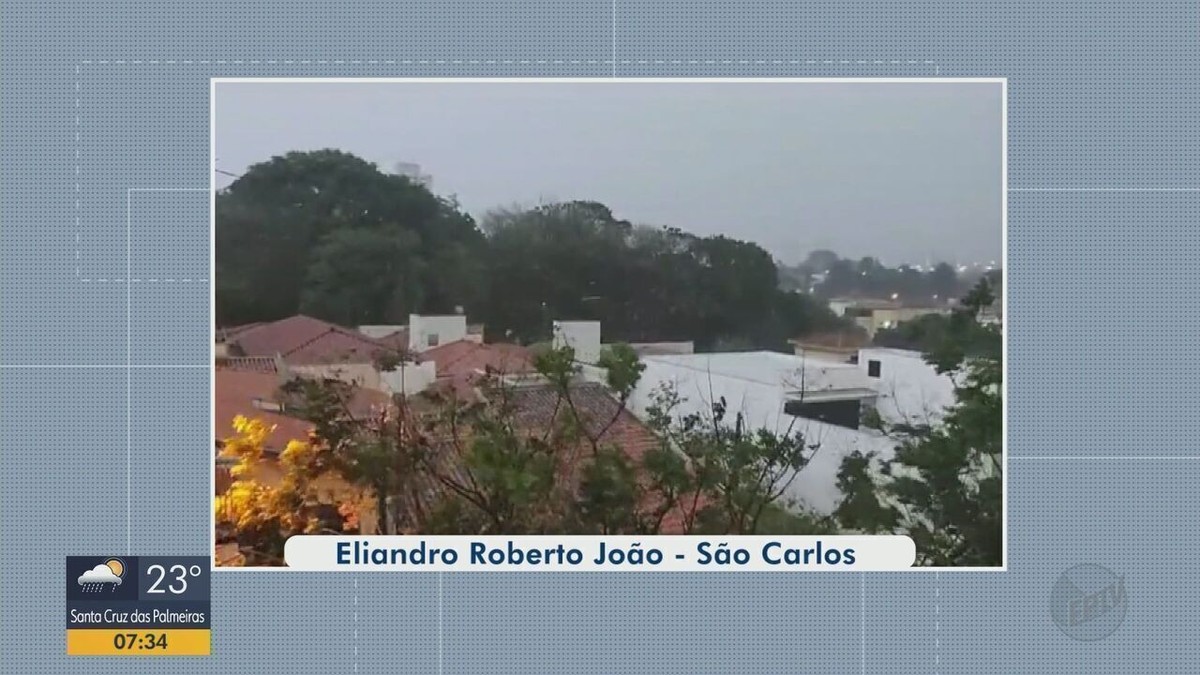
(582, 336)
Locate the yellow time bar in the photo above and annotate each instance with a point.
(143, 642)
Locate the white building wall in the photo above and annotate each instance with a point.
(910, 390)
(409, 378)
(651, 348)
(359, 374)
(377, 332)
(445, 329)
(582, 336)
(761, 405)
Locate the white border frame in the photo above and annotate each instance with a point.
(1002, 81)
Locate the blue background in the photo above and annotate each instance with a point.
(105, 439)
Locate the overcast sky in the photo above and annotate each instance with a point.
(905, 172)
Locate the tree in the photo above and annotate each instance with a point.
(870, 278)
(289, 222)
(943, 487)
(380, 450)
(478, 466)
(738, 475)
(922, 334)
(263, 516)
(943, 281)
(359, 277)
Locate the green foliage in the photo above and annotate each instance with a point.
(944, 486)
(314, 230)
(498, 476)
(623, 369)
(260, 517)
(930, 333)
(358, 277)
(327, 234)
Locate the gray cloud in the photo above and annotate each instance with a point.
(901, 171)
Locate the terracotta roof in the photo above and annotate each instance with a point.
(464, 358)
(229, 332)
(237, 391)
(396, 340)
(303, 340)
(538, 406)
(535, 408)
(249, 364)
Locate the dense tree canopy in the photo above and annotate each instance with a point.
(328, 234)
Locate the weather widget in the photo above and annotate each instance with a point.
(140, 606)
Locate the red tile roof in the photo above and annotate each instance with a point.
(603, 418)
(464, 358)
(248, 364)
(237, 391)
(537, 406)
(303, 340)
(397, 340)
(229, 332)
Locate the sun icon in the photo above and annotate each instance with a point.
(116, 565)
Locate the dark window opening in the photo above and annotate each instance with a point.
(845, 413)
(873, 368)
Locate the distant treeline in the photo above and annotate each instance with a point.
(328, 234)
(828, 275)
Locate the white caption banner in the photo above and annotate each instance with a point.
(665, 553)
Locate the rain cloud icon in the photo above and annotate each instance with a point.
(96, 578)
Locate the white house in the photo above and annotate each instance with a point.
(820, 399)
(910, 390)
(582, 336)
(427, 332)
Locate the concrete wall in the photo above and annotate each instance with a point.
(650, 348)
(832, 354)
(909, 389)
(377, 332)
(815, 487)
(409, 378)
(361, 374)
(446, 329)
(582, 336)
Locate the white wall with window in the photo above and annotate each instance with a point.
(427, 332)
